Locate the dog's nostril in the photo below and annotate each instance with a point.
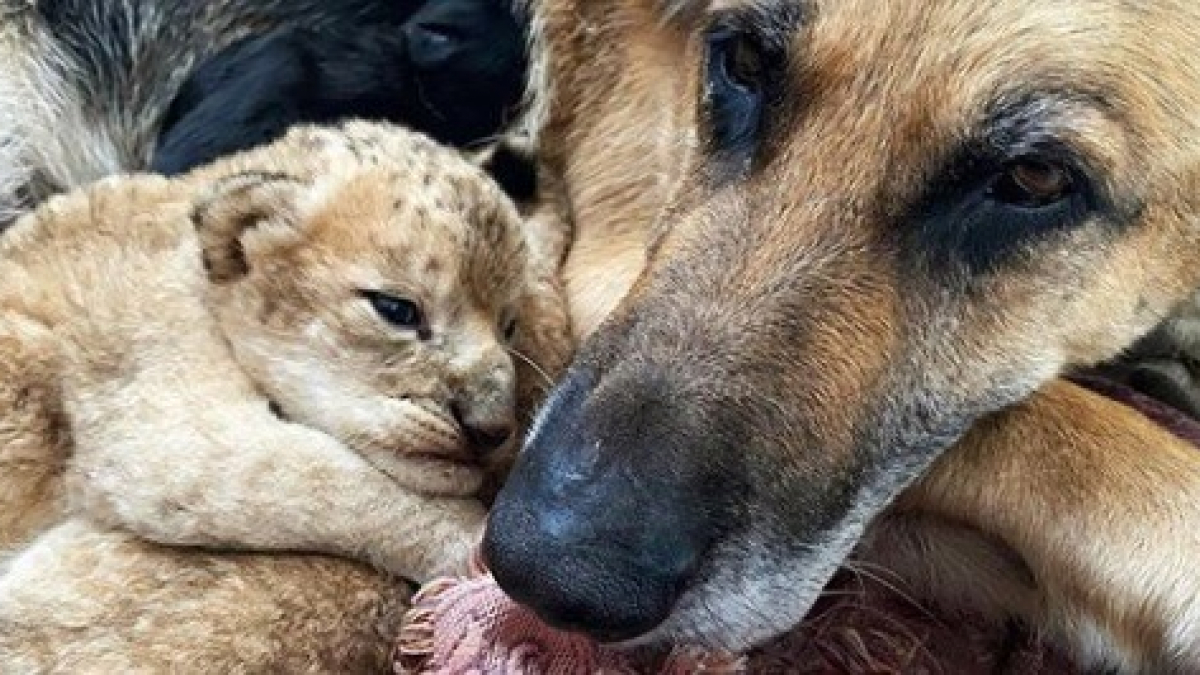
(583, 584)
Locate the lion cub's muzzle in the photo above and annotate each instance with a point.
(605, 543)
(483, 403)
(487, 434)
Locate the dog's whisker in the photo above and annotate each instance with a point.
(861, 567)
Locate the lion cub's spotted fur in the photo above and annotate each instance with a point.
(194, 362)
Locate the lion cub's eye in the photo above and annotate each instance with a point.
(400, 312)
(1032, 183)
(510, 329)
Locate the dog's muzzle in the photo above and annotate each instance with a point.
(601, 527)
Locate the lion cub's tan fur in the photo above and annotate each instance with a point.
(152, 330)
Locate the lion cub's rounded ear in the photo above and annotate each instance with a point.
(512, 165)
(237, 203)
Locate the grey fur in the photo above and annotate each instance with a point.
(84, 84)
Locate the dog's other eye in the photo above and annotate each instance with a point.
(1032, 183)
(400, 312)
(985, 209)
(736, 72)
(510, 329)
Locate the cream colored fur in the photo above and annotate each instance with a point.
(154, 323)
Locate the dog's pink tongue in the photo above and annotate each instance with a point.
(471, 626)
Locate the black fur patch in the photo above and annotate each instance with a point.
(122, 56)
(453, 69)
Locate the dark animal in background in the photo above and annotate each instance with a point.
(89, 88)
(454, 70)
(1164, 365)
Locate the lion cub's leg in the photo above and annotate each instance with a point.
(85, 600)
(1072, 511)
(205, 468)
(33, 435)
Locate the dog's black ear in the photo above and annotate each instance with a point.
(514, 169)
(253, 200)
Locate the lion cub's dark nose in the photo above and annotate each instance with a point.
(484, 435)
(487, 438)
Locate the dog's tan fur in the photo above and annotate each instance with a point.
(154, 323)
(1070, 511)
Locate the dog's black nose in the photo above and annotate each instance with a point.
(603, 544)
(574, 587)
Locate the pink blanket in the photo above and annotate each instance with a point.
(861, 627)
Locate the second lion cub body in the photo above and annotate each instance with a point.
(302, 348)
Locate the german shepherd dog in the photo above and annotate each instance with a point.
(831, 260)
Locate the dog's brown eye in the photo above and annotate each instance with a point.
(510, 329)
(400, 312)
(1032, 183)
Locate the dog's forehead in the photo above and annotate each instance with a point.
(987, 45)
(969, 38)
(938, 73)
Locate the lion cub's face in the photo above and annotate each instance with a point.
(375, 303)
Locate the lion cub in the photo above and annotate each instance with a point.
(302, 348)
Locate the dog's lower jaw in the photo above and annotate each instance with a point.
(940, 564)
(766, 583)
(729, 613)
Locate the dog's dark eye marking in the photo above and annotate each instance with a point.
(743, 77)
(399, 312)
(735, 92)
(982, 209)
